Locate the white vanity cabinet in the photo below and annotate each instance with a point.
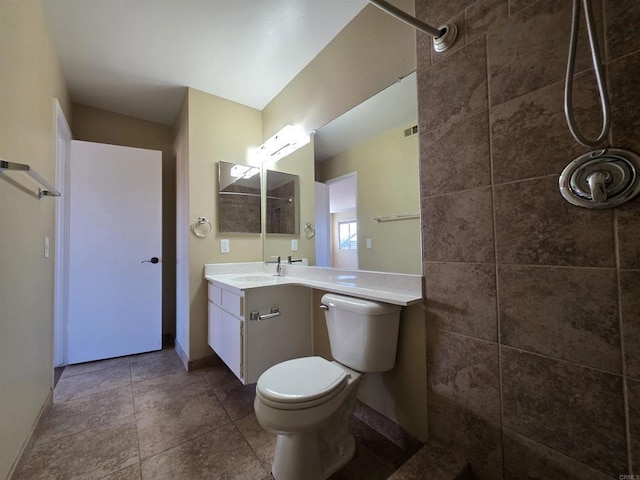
(249, 347)
(226, 324)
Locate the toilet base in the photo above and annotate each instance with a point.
(319, 453)
(306, 456)
(312, 443)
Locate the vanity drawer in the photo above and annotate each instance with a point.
(232, 303)
(215, 294)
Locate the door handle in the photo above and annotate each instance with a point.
(153, 260)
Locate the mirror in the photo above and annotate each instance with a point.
(301, 244)
(368, 161)
(239, 198)
(282, 202)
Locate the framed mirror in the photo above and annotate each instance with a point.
(283, 193)
(239, 201)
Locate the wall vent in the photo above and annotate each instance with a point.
(410, 131)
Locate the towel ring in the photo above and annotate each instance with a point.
(309, 231)
(197, 223)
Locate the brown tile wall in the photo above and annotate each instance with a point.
(533, 304)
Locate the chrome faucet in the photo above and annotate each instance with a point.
(278, 266)
(290, 260)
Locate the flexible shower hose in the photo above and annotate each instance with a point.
(568, 86)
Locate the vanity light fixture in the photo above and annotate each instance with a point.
(243, 171)
(286, 141)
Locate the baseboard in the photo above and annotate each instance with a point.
(183, 356)
(30, 441)
(191, 365)
(386, 427)
(57, 374)
(212, 359)
(168, 340)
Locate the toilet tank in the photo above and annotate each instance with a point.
(363, 334)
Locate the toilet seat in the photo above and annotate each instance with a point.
(301, 383)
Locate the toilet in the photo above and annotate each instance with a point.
(308, 402)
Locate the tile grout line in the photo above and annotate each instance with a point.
(625, 390)
(226, 411)
(530, 352)
(557, 452)
(246, 440)
(531, 265)
(68, 435)
(622, 57)
(184, 442)
(616, 240)
(495, 259)
(510, 182)
(189, 439)
(135, 421)
(616, 246)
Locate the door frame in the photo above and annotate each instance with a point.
(329, 182)
(322, 234)
(63, 139)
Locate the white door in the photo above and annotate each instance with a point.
(115, 221)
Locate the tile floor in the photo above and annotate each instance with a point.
(143, 417)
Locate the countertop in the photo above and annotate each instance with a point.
(396, 289)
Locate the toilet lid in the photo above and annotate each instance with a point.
(301, 380)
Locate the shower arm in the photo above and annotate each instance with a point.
(443, 37)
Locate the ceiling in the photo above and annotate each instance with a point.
(137, 56)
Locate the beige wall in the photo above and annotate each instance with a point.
(368, 55)
(181, 148)
(387, 184)
(218, 130)
(30, 78)
(101, 126)
(298, 163)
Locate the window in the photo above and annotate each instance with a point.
(348, 235)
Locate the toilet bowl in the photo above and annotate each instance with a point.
(312, 426)
(308, 402)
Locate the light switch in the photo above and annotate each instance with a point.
(224, 245)
(368, 243)
(46, 247)
(294, 245)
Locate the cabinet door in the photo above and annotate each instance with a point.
(232, 343)
(215, 328)
(232, 303)
(279, 338)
